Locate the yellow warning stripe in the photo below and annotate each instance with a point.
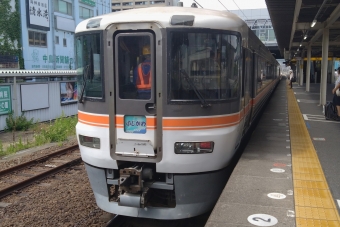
(314, 204)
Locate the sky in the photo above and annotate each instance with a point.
(229, 4)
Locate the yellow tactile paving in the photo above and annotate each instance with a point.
(307, 176)
(314, 205)
(316, 223)
(311, 184)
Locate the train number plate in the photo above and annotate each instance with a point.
(135, 124)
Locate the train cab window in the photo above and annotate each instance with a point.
(207, 64)
(134, 66)
(88, 66)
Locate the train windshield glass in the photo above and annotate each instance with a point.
(211, 63)
(89, 75)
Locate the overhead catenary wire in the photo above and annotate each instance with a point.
(223, 5)
(240, 10)
(198, 4)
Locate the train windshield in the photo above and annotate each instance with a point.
(211, 63)
(88, 60)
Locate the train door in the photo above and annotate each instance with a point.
(135, 103)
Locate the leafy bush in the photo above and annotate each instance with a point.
(18, 123)
(61, 128)
(57, 131)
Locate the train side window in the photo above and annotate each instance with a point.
(231, 61)
(88, 66)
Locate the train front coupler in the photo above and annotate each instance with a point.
(132, 192)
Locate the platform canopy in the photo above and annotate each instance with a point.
(292, 20)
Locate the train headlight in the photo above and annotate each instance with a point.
(88, 141)
(194, 147)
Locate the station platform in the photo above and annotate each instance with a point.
(288, 174)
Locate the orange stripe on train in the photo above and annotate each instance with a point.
(200, 122)
(94, 119)
(168, 123)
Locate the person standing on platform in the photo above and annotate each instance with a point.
(291, 76)
(336, 98)
(336, 75)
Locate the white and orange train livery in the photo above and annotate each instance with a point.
(162, 152)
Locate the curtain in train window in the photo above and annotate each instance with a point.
(204, 63)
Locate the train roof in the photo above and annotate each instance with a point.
(204, 18)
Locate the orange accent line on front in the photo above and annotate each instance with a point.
(201, 122)
(168, 123)
(93, 119)
(93, 124)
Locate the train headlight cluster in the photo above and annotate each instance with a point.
(194, 147)
(88, 141)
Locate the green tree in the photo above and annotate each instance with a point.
(10, 30)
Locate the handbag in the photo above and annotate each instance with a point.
(293, 79)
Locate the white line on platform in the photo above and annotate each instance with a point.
(338, 202)
(321, 118)
(305, 117)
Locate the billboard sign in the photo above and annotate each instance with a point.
(38, 15)
(68, 93)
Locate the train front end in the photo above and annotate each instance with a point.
(159, 109)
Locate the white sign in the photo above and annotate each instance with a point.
(277, 170)
(65, 24)
(39, 14)
(275, 195)
(262, 220)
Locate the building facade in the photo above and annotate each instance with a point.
(47, 28)
(258, 20)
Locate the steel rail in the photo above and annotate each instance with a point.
(38, 160)
(6, 191)
(117, 221)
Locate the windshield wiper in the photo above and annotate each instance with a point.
(85, 75)
(204, 104)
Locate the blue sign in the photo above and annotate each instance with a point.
(135, 124)
(8, 58)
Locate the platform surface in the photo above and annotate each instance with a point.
(288, 174)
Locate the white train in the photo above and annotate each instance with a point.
(165, 97)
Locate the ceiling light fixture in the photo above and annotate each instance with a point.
(300, 44)
(313, 23)
(305, 37)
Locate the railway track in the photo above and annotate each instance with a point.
(20, 176)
